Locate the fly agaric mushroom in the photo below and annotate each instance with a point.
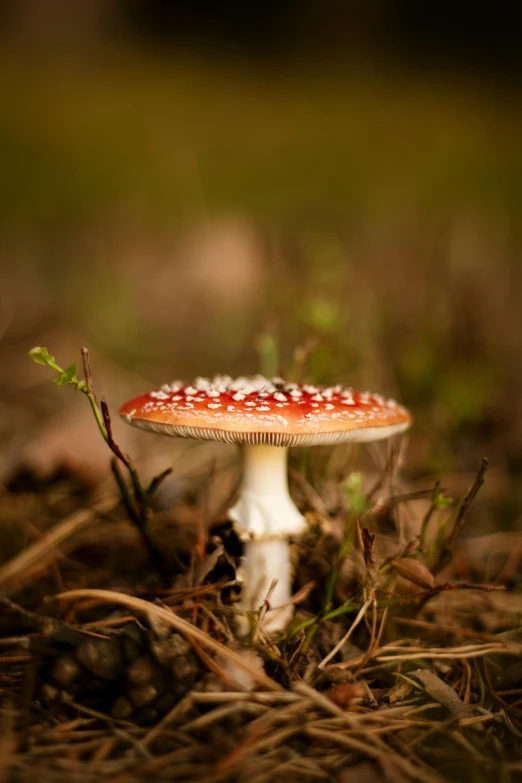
(266, 417)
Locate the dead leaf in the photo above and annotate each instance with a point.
(337, 675)
(345, 694)
(443, 693)
(399, 692)
(414, 571)
(368, 546)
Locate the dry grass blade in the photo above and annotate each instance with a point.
(407, 769)
(318, 698)
(224, 711)
(175, 713)
(41, 552)
(442, 652)
(347, 635)
(180, 625)
(279, 697)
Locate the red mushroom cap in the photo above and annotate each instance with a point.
(261, 411)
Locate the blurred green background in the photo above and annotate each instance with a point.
(184, 188)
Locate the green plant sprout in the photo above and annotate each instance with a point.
(438, 501)
(358, 503)
(69, 377)
(137, 500)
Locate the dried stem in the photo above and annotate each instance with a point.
(463, 506)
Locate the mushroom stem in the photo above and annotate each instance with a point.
(264, 561)
(265, 517)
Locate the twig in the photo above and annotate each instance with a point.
(140, 510)
(462, 508)
(137, 505)
(87, 372)
(156, 481)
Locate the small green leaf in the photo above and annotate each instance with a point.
(353, 490)
(67, 376)
(442, 500)
(41, 356)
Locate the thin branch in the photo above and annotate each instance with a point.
(467, 501)
(156, 481)
(87, 372)
(462, 508)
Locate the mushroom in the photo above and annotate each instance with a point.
(266, 417)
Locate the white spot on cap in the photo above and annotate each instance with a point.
(238, 397)
(263, 408)
(280, 397)
(214, 405)
(159, 395)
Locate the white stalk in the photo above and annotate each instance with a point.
(265, 517)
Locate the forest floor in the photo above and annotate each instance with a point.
(402, 663)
